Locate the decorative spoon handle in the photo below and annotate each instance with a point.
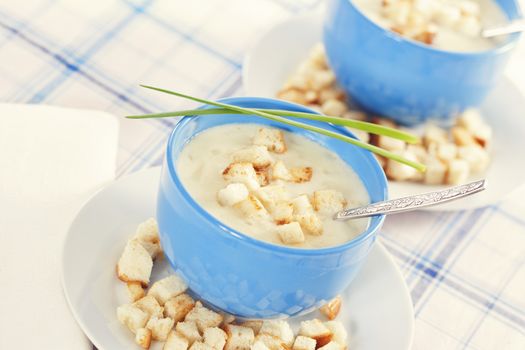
(418, 201)
(508, 28)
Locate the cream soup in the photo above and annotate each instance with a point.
(205, 165)
(453, 25)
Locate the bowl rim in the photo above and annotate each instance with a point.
(229, 232)
(499, 49)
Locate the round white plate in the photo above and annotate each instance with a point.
(276, 55)
(377, 309)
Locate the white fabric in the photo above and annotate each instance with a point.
(51, 158)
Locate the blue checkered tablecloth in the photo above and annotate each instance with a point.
(465, 269)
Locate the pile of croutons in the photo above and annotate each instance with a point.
(451, 156)
(166, 313)
(256, 189)
(420, 19)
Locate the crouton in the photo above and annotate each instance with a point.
(227, 318)
(272, 194)
(178, 307)
(446, 152)
(301, 174)
(434, 134)
(302, 205)
(290, 233)
(257, 155)
(232, 194)
(239, 337)
(317, 330)
(322, 79)
(355, 115)
(189, 330)
(333, 93)
(462, 137)
(241, 173)
(292, 95)
(251, 208)
(334, 108)
(143, 337)
(263, 176)
(281, 172)
(390, 144)
(418, 151)
(198, 345)
(147, 234)
(339, 334)
(255, 325)
(304, 343)
(271, 342)
(328, 202)
(331, 309)
(167, 288)
(135, 290)
(472, 121)
(259, 345)
(360, 134)
(160, 327)
(175, 341)
(135, 264)
(272, 139)
(331, 346)
(458, 172)
(203, 317)
(150, 305)
(477, 158)
(280, 329)
(282, 213)
(435, 172)
(399, 171)
(310, 223)
(215, 337)
(132, 317)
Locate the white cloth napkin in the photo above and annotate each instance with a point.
(50, 159)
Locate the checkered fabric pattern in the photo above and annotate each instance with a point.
(465, 269)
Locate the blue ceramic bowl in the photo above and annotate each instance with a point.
(403, 79)
(244, 276)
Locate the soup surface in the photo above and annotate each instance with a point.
(452, 25)
(205, 163)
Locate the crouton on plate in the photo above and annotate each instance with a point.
(167, 288)
(135, 290)
(132, 317)
(215, 337)
(239, 337)
(147, 234)
(150, 305)
(203, 317)
(331, 309)
(317, 330)
(135, 264)
(304, 343)
(176, 341)
(189, 330)
(160, 327)
(178, 307)
(280, 329)
(143, 337)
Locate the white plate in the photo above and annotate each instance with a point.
(377, 309)
(277, 54)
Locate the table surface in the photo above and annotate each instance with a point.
(465, 270)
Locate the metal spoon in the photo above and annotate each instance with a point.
(507, 28)
(415, 202)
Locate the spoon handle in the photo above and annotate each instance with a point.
(509, 28)
(399, 205)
